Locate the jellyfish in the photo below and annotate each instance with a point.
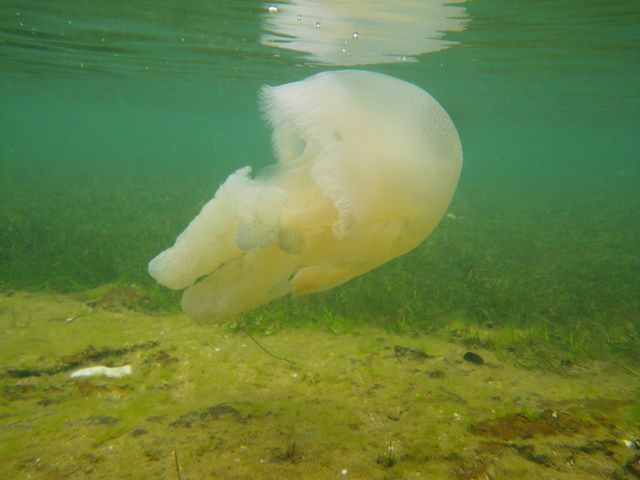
(366, 167)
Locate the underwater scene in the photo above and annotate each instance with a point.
(320, 239)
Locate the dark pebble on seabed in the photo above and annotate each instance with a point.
(473, 358)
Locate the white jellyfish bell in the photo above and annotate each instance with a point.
(367, 166)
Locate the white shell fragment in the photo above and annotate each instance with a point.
(101, 370)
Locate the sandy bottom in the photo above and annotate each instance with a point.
(203, 403)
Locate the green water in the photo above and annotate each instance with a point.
(118, 121)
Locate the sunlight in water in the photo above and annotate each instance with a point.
(362, 32)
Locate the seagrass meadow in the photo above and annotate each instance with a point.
(505, 345)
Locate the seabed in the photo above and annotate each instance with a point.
(208, 402)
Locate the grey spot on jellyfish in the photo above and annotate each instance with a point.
(366, 167)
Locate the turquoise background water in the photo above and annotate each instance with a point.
(119, 120)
